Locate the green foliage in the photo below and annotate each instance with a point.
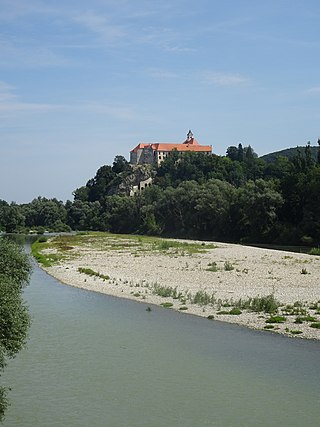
(92, 273)
(315, 325)
(308, 318)
(202, 298)
(234, 311)
(14, 263)
(15, 269)
(266, 304)
(167, 304)
(239, 198)
(212, 266)
(228, 266)
(314, 251)
(166, 291)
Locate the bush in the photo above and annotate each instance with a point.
(276, 319)
(266, 304)
(228, 266)
(315, 325)
(315, 251)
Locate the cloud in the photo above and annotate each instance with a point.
(12, 106)
(6, 92)
(14, 9)
(224, 79)
(158, 73)
(313, 90)
(101, 25)
(17, 52)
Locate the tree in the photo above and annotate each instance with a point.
(12, 218)
(256, 206)
(240, 153)
(98, 186)
(15, 270)
(232, 153)
(120, 164)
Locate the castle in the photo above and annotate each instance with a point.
(154, 153)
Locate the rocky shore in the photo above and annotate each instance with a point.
(217, 282)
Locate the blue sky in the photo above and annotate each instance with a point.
(82, 81)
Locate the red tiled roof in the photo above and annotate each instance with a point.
(181, 147)
(141, 145)
(190, 144)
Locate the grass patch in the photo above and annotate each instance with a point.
(228, 266)
(268, 327)
(296, 332)
(308, 318)
(266, 304)
(167, 304)
(183, 308)
(48, 259)
(202, 298)
(315, 325)
(212, 266)
(166, 291)
(315, 251)
(233, 312)
(178, 247)
(93, 273)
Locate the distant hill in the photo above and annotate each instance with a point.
(289, 153)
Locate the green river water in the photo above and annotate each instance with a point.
(94, 360)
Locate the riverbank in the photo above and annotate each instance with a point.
(254, 287)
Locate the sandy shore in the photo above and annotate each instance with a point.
(290, 277)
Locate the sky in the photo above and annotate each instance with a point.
(83, 81)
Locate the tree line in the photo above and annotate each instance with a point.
(238, 198)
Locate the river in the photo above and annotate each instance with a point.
(94, 360)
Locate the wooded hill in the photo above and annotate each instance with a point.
(238, 198)
(289, 153)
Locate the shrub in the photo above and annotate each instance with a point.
(315, 325)
(235, 311)
(228, 266)
(202, 298)
(315, 251)
(167, 304)
(91, 272)
(266, 304)
(276, 319)
(212, 266)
